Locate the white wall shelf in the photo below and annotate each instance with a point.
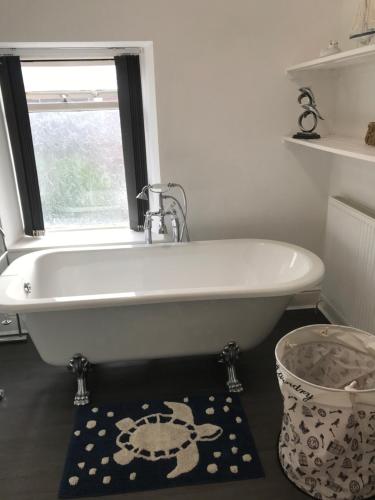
(349, 57)
(338, 145)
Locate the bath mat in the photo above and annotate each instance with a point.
(154, 444)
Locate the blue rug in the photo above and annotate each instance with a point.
(149, 445)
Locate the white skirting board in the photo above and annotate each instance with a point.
(348, 290)
(312, 299)
(330, 313)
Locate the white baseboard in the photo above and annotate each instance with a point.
(314, 298)
(330, 312)
(305, 300)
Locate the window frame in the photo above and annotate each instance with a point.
(136, 221)
(37, 107)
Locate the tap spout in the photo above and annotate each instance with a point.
(175, 223)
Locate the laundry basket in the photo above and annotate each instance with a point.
(327, 441)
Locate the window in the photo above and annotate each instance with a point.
(75, 125)
(77, 135)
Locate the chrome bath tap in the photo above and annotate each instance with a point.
(163, 191)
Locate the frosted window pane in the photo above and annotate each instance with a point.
(80, 167)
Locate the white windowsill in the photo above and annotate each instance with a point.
(84, 237)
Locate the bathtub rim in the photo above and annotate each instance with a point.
(12, 277)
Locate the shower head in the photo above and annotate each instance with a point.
(143, 194)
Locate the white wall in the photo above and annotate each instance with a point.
(223, 100)
(354, 109)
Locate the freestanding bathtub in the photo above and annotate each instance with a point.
(154, 301)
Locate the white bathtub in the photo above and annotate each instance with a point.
(141, 302)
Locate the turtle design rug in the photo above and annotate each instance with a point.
(156, 444)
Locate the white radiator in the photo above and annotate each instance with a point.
(349, 284)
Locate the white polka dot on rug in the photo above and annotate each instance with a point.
(104, 460)
(92, 471)
(89, 447)
(217, 454)
(212, 398)
(238, 420)
(186, 400)
(106, 479)
(91, 424)
(145, 406)
(77, 433)
(81, 465)
(212, 468)
(110, 414)
(234, 450)
(102, 432)
(229, 400)
(232, 437)
(73, 481)
(132, 476)
(247, 457)
(95, 410)
(234, 469)
(226, 409)
(210, 411)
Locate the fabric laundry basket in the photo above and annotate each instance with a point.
(327, 442)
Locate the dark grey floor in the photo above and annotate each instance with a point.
(36, 416)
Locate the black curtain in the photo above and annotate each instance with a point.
(133, 134)
(17, 117)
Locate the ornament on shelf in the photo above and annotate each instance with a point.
(333, 48)
(370, 136)
(364, 22)
(308, 103)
